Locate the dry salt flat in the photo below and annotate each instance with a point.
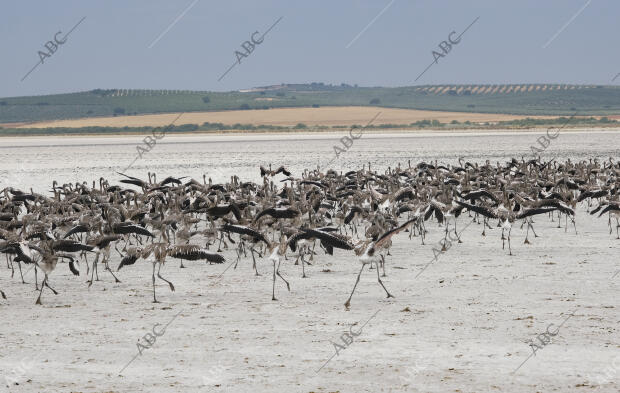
(462, 324)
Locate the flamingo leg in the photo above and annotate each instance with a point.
(279, 275)
(19, 265)
(527, 232)
(383, 265)
(238, 255)
(48, 285)
(254, 261)
(532, 226)
(41, 291)
(503, 240)
(92, 274)
(273, 289)
(389, 295)
(312, 253)
(159, 275)
(107, 267)
(303, 269)
(347, 304)
(154, 298)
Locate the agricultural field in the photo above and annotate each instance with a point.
(286, 117)
(523, 99)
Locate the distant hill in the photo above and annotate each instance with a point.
(521, 99)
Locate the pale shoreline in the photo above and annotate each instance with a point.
(306, 133)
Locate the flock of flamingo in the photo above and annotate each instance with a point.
(359, 211)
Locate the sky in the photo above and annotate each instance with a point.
(190, 44)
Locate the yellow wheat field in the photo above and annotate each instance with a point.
(324, 116)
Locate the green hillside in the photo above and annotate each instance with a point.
(541, 99)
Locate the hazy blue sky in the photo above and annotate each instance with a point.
(110, 48)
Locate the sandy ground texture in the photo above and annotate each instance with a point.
(462, 325)
(323, 116)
